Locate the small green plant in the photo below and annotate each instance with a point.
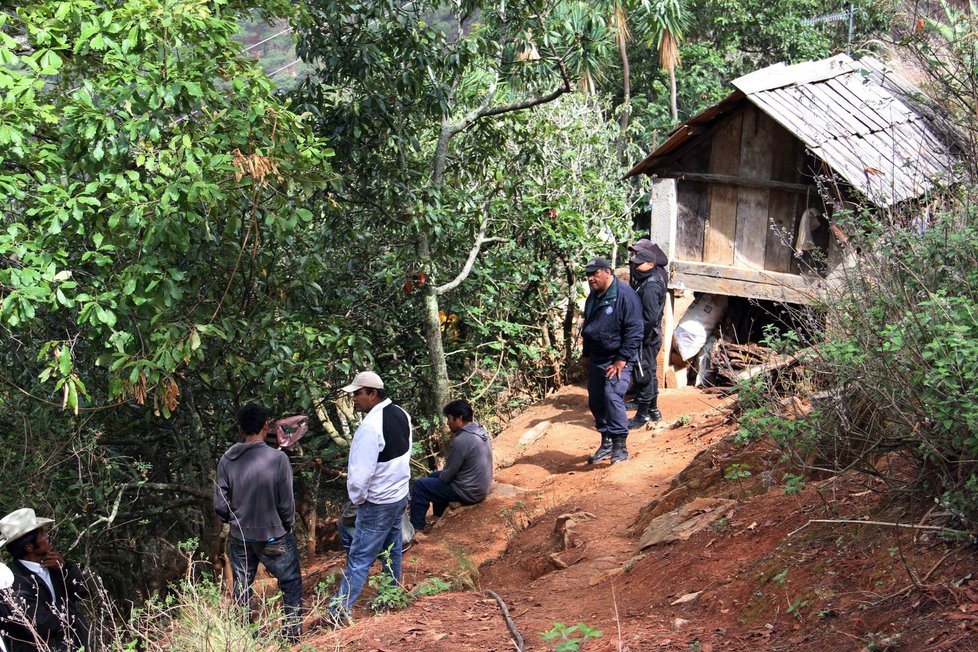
(720, 523)
(684, 420)
(466, 576)
(570, 638)
(796, 606)
(326, 586)
(517, 517)
(737, 473)
(793, 484)
(432, 586)
(390, 594)
(781, 577)
(878, 641)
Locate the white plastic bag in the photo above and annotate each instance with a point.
(697, 323)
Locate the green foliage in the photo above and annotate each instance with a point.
(898, 369)
(737, 472)
(461, 245)
(432, 586)
(158, 264)
(194, 616)
(729, 38)
(570, 638)
(944, 42)
(793, 484)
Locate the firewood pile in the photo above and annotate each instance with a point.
(732, 362)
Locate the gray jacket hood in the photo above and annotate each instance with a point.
(241, 448)
(476, 429)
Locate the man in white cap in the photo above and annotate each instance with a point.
(378, 475)
(45, 590)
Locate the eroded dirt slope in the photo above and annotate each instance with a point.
(664, 552)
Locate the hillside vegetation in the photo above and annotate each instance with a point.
(181, 234)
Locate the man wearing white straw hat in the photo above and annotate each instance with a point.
(43, 611)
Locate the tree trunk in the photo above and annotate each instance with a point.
(672, 94)
(432, 323)
(626, 91)
(569, 317)
(433, 337)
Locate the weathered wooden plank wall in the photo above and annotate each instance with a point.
(692, 198)
(752, 203)
(783, 208)
(721, 219)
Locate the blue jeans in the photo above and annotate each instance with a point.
(431, 491)
(378, 530)
(281, 558)
(606, 399)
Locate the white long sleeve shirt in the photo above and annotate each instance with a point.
(379, 468)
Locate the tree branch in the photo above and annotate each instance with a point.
(480, 239)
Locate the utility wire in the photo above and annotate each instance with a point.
(289, 65)
(255, 45)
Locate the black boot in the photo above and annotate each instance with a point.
(654, 413)
(604, 450)
(641, 417)
(619, 452)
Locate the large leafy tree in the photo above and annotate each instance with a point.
(155, 258)
(426, 105)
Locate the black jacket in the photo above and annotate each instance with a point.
(613, 325)
(55, 620)
(651, 288)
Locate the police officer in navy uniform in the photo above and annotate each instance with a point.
(613, 330)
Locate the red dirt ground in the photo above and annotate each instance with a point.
(760, 577)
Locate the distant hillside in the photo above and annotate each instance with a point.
(274, 46)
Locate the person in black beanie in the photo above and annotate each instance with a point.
(649, 278)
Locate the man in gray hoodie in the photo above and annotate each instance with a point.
(254, 497)
(467, 475)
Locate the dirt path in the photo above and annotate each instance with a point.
(547, 476)
(561, 541)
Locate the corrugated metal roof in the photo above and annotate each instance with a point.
(871, 126)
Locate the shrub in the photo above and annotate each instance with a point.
(896, 376)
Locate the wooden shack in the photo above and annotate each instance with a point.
(746, 190)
